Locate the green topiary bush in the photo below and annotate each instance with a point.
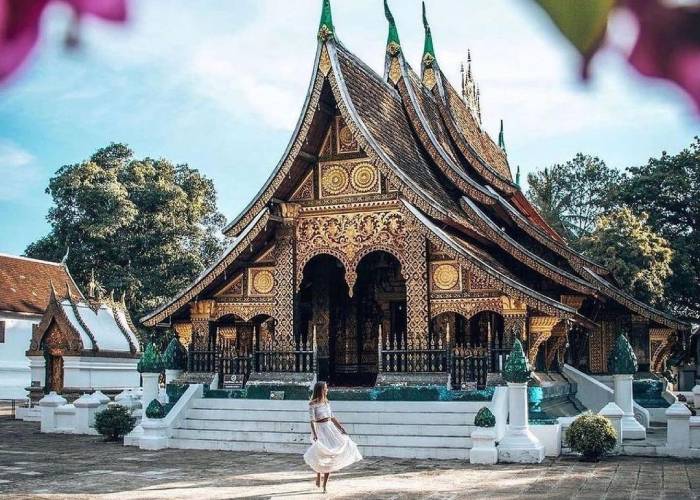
(155, 409)
(114, 422)
(485, 418)
(592, 436)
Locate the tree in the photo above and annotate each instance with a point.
(572, 196)
(146, 227)
(668, 189)
(639, 259)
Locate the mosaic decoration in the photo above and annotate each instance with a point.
(414, 268)
(478, 283)
(233, 289)
(285, 286)
(324, 62)
(465, 307)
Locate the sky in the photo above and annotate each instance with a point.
(219, 84)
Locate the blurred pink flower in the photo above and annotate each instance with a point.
(20, 19)
(668, 44)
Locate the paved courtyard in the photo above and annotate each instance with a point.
(35, 465)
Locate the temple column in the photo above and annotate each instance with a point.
(514, 318)
(540, 330)
(415, 271)
(201, 314)
(285, 287)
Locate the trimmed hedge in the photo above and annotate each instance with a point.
(114, 422)
(592, 436)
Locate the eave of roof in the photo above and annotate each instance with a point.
(207, 276)
(543, 301)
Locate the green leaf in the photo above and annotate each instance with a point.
(583, 22)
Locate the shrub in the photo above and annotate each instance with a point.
(114, 422)
(592, 436)
(485, 418)
(155, 409)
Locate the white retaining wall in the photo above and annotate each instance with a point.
(594, 394)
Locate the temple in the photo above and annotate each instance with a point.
(390, 244)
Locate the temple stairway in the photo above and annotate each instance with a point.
(431, 429)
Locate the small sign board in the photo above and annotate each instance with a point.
(276, 394)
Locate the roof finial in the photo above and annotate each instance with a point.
(469, 63)
(53, 288)
(517, 177)
(326, 30)
(69, 293)
(65, 257)
(428, 49)
(92, 285)
(501, 139)
(393, 44)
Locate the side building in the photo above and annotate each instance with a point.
(83, 344)
(25, 288)
(392, 244)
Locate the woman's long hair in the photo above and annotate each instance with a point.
(319, 394)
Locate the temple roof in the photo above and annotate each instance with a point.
(25, 284)
(429, 144)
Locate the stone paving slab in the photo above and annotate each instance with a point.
(54, 466)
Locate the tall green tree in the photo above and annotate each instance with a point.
(637, 256)
(572, 196)
(145, 226)
(668, 189)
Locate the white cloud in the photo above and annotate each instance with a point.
(18, 169)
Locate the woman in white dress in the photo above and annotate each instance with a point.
(332, 448)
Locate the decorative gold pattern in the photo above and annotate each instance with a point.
(346, 140)
(478, 283)
(348, 178)
(465, 307)
(245, 310)
(446, 276)
(429, 78)
(285, 257)
(573, 301)
(305, 191)
(184, 333)
(394, 70)
(335, 180)
(540, 331)
(349, 237)
(364, 178)
(324, 62)
(659, 344)
(260, 282)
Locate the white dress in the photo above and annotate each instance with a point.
(333, 450)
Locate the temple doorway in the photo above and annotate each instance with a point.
(54, 372)
(347, 328)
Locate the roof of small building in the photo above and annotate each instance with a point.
(96, 325)
(25, 284)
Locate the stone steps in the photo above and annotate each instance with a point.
(438, 430)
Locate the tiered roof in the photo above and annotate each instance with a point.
(93, 325)
(429, 144)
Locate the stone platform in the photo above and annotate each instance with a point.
(34, 466)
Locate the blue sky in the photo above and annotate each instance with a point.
(218, 84)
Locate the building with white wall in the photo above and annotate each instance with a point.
(25, 288)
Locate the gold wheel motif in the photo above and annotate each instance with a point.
(347, 141)
(335, 180)
(445, 277)
(364, 177)
(263, 282)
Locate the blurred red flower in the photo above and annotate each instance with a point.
(668, 44)
(20, 19)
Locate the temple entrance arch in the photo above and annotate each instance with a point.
(476, 342)
(347, 327)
